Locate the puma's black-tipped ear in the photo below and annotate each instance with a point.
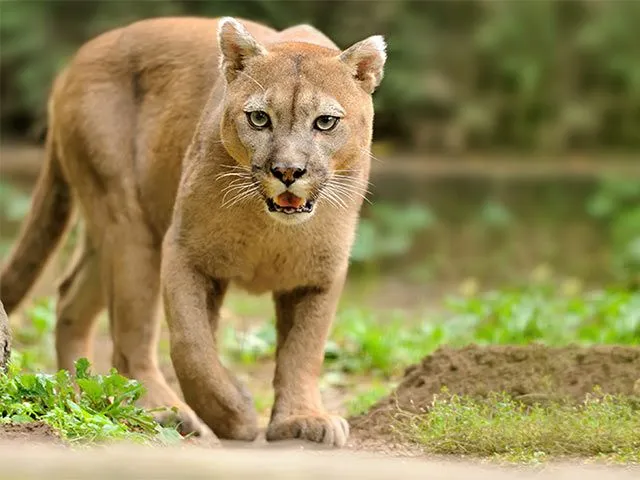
(237, 46)
(367, 58)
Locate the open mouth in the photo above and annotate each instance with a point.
(289, 203)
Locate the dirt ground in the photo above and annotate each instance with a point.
(284, 462)
(35, 453)
(42, 457)
(532, 373)
(28, 433)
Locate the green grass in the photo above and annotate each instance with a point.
(33, 340)
(249, 345)
(263, 401)
(243, 305)
(102, 408)
(370, 341)
(604, 427)
(384, 342)
(363, 401)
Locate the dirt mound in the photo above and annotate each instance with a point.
(529, 373)
(33, 432)
(521, 370)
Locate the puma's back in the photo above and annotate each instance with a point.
(157, 75)
(161, 73)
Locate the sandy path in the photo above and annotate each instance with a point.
(282, 462)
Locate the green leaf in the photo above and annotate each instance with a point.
(82, 366)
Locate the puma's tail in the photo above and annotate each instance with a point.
(51, 208)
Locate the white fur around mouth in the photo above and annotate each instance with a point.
(274, 207)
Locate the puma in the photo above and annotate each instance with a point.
(202, 153)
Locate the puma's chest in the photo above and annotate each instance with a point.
(261, 261)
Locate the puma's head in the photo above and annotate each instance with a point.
(298, 119)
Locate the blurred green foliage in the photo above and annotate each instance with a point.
(388, 232)
(617, 205)
(383, 341)
(544, 75)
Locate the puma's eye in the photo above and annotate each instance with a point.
(325, 123)
(258, 119)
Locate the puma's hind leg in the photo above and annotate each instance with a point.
(80, 300)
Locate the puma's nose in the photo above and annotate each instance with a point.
(287, 175)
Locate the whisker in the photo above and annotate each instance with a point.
(371, 155)
(237, 167)
(324, 196)
(236, 191)
(351, 186)
(339, 174)
(348, 192)
(234, 195)
(351, 179)
(233, 174)
(330, 191)
(237, 181)
(351, 197)
(243, 196)
(235, 199)
(234, 188)
(252, 79)
(239, 190)
(237, 186)
(244, 171)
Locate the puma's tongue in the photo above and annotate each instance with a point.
(288, 199)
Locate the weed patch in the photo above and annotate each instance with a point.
(604, 427)
(101, 408)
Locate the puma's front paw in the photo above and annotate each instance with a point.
(330, 430)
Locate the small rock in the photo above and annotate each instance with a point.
(5, 339)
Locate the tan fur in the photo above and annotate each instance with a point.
(173, 183)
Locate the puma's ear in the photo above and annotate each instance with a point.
(237, 46)
(367, 59)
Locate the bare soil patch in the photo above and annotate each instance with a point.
(32, 432)
(532, 373)
(124, 462)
